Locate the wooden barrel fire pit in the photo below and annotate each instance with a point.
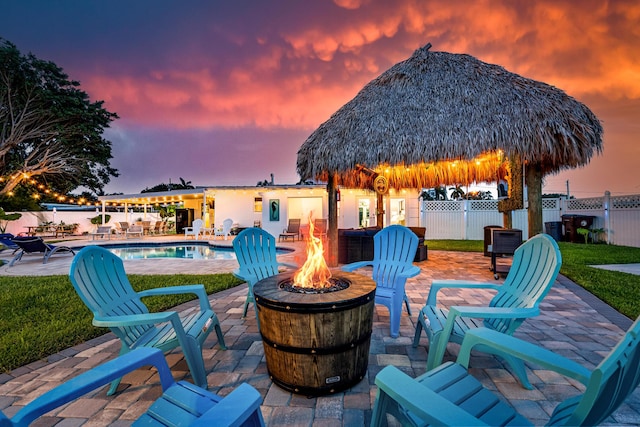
(316, 343)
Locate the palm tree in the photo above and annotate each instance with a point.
(457, 192)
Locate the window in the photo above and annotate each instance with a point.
(257, 204)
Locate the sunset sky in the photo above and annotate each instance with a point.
(225, 92)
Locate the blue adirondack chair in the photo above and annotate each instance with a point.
(394, 248)
(35, 245)
(181, 404)
(535, 266)
(256, 253)
(450, 396)
(100, 280)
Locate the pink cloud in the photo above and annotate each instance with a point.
(298, 77)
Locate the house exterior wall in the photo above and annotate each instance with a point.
(618, 217)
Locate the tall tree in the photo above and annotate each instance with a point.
(49, 127)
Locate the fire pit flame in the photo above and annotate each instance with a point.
(314, 273)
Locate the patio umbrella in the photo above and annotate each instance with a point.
(439, 118)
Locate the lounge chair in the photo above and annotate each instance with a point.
(320, 227)
(146, 227)
(134, 230)
(102, 232)
(35, 245)
(6, 240)
(195, 229)
(181, 403)
(158, 227)
(292, 231)
(100, 280)
(225, 231)
(449, 395)
(124, 226)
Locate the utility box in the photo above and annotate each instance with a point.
(571, 224)
(504, 242)
(488, 237)
(554, 229)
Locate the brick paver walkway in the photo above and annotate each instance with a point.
(572, 323)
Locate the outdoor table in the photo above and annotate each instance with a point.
(32, 229)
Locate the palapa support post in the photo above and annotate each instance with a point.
(379, 210)
(515, 200)
(332, 232)
(534, 177)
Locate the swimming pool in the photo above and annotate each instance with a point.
(176, 250)
(187, 251)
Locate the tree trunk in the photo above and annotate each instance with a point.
(534, 192)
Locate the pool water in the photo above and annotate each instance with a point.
(176, 251)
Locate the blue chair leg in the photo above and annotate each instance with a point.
(406, 303)
(220, 335)
(115, 383)
(419, 327)
(246, 304)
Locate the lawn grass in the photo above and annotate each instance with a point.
(620, 290)
(43, 315)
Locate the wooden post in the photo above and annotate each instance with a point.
(379, 210)
(534, 192)
(515, 200)
(332, 232)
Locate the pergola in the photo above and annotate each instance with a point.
(439, 118)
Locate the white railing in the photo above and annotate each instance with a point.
(618, 217)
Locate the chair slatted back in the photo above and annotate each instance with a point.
(226, 226)
(256, 253)
(197, 225)
(394, 248)
(535, 266)
(610, 384)
(293, 226)
(99, 278)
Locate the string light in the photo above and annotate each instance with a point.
(41, 187)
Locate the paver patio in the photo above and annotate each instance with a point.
(572, 323)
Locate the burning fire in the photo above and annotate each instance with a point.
(314, 273)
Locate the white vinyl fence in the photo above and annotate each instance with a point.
(618, 217)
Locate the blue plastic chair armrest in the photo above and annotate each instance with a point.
(356, 265)
(495, 342)
(493, 312)
(100, 375)
(199, 290)
(422, 401)
(437, 285)
(234, 409)
(137, 319)
(172, 290)
(245, 275)
(412, 271)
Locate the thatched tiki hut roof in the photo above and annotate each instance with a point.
(425, 113)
